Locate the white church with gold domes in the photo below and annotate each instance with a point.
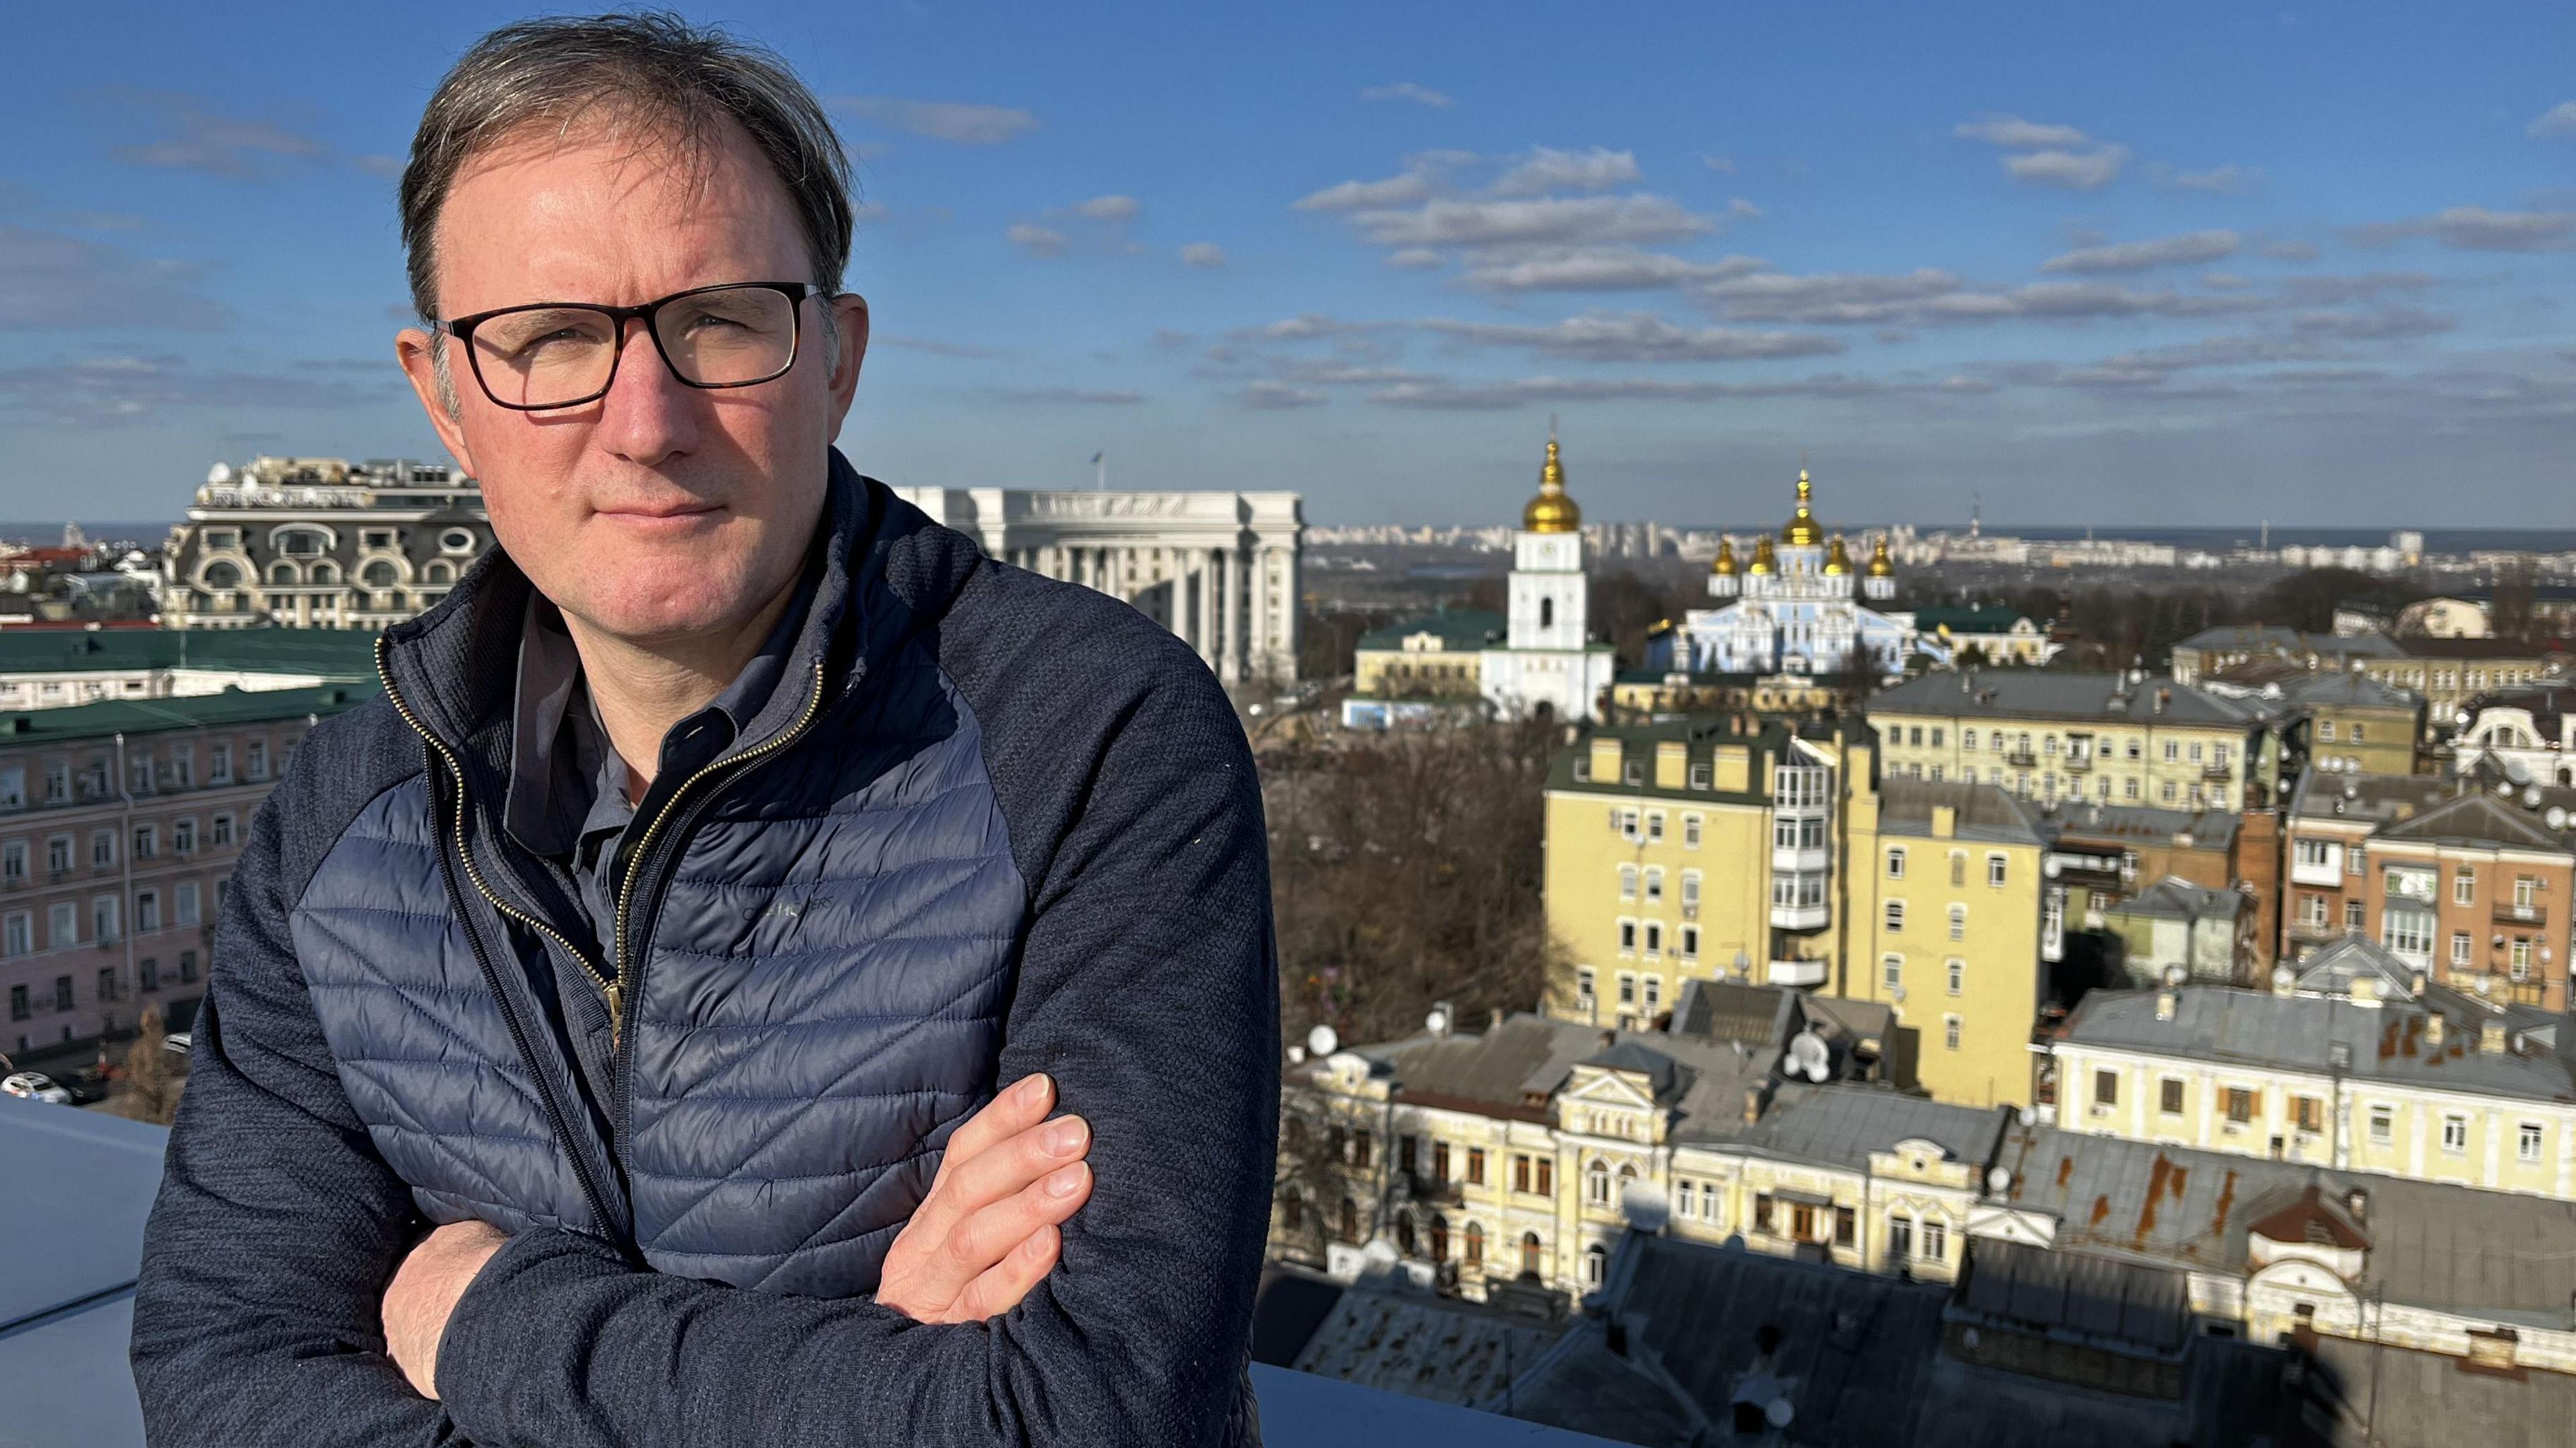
(1792, 609)
(1548, 660)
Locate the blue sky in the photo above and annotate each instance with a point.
(2175, 263)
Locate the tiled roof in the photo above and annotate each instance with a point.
(2321, 1035)
(2071, 697)
(2477, 819)
(196, 711)
(1843, 1123)
(1985, 811)
(1459, 630)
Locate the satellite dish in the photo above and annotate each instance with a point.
(2557, 817)
(2516, 770)
(1896, 994)
(1322, 1042)
(2531, 796)
(1998, 1181)
(1436, 1023)
(1296, 1055)
(1810, 1057)
(2176, 975)
(1779, 1413)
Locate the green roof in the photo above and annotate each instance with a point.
(1460, 630)
(197, 711)
(331, 653)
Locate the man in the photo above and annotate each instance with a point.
(718, 848)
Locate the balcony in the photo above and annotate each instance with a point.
(1801, 917)
(2315, 932)
(2021, 759)
(2217, 769)
(1423, 1187)
(2327, 872)
(1802, 973)
(1805, 860)
(2079, 763)
(2509, 913)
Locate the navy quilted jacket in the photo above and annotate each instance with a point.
(1003, 825)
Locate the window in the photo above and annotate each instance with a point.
(1958, 972)
(1596, 1264)
(1654, 826)
(1690, 942)
(2526, 891)
(183, 835)
(1360, 1146)
(1627, 882)
(1654, 939)
(1896, 862)
(1950, 1033)
(221, 832)
(147, 842)
(13, 788)
(2455, 1134)
(58, 854)
(1475, 1167)
(1627, 937)
(58, 783)
(255, 758)
(19, 1009)
(1583, 985)
(2313, 854)
(1546, 1177)
(1520, 1172)
(2459, 946)
(2173, 751)
(2352, 916)
(1699, 776)
(18, 933)
(1690, 892)
(183, 767)
(1895, 916)
(1475, 1254)
(2527, 1141)
(104, 915)
(1654, 884)
(1690, 831)
(1627, 989)
(1654, 991)
(187, 967)
(2356, 731)
(102, 848)
(148, 973)
(219, 764)
(1685, 1204)
(63, 993)
(2408, 932)
(1997, 869)
(1847, 1221)
(62, 924)
(1708, 1202)
(2169, 1095)
(1900, 1237)
(1958, 922)
(2308, 1113)
(2240, 1105)
(1408, 1153)
(13, 861)
(2383, 1125)
(147, 911)
(138, 774)
(2464, 887)
(2325, 730)
(2106, 1088)
(1596, 1183)
(1936, 1240)
(1891, 972)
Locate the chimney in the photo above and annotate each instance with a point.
(1494, 1022)
(2166, 1003)
(2356, 1200)
(1752, 1104)
(2491, 1038)
(2433, 1024)
(1609, 1039)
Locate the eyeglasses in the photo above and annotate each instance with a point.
(562, 354)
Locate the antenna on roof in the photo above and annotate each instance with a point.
(1810, 1057)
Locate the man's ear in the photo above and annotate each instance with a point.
(416, 350)
(851, 310)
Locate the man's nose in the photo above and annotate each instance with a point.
(649, 414)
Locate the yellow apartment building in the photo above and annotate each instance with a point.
(2349, 1063)
(1945, 928)
(2059, 738)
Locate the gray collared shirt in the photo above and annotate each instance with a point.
(568, 787)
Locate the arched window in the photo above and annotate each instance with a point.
(281, 572)
(1547, 613)
(302, 542)
(222, 575)
(379, 574)
(1439, 1238)
(1350, 1220)
(326, 572)
(1596, 1264)
(1475, 1244)
(456, 540)
(1530, 1251)
(1627, 1179)
(438, 573)
(1596, 1183)
(1404, 1231)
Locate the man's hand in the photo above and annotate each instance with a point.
(424, 1291)
(986, 1234)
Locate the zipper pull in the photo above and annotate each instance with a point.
(616, 1009)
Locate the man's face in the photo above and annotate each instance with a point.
(661, 510)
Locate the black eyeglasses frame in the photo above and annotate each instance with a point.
(462, 329)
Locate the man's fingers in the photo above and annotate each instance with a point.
(1007, 1115)
(1010, 1167)
(989, 1238)
(1008, 1281)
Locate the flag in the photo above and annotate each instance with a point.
(1096, 457)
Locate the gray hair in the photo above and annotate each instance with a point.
(655, 68)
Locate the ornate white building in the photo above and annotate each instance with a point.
(1793, 610)
(1548, 659)
(1219, 569)
(321, 543)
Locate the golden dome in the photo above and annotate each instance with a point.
(1725, 564)
(1803, 530)
(1838, 561)
(1551, 511)
(1880, 565)
(1763, 562)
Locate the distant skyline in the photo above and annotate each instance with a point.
(2179, 265)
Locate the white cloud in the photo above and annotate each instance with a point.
(2190, 248)
(1299, 328)
(1546, 169)
(1203, 253)
(2291, 251)
(1412, 186)
(1636, 337)
(1414, 258)
(2475, 228)
(1405, 90)
(1109, 208)
(1547, 220)
(1275, 395)
(2386, 323)
(198, 139)
(50, 280)
(2332, 291)
(2014, 133)
(1036, 240)
(2554, 123)
(1929, 296)
(2076, 171)
(1081, 396)
(2227, 180)
(1603, 269)
(1516, 393)
(2224, 282)
(1722, 165)
(960, 122)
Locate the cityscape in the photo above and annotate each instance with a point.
(1862, 850)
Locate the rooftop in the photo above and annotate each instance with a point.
(2123, 823)
(1459, 630)
(1992, 619)
(2098, 698)
(1982, 811)
(2175, 898)
(331, 653)
(193, 711)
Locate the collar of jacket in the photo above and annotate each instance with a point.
(885, 568)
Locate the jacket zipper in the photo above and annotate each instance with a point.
(621, 1045)
(555, 1114)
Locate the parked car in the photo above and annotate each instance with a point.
(35, 1086)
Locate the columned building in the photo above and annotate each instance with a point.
(1790, 609)
(1219, 569)
(321, 543)
(1548, 659)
